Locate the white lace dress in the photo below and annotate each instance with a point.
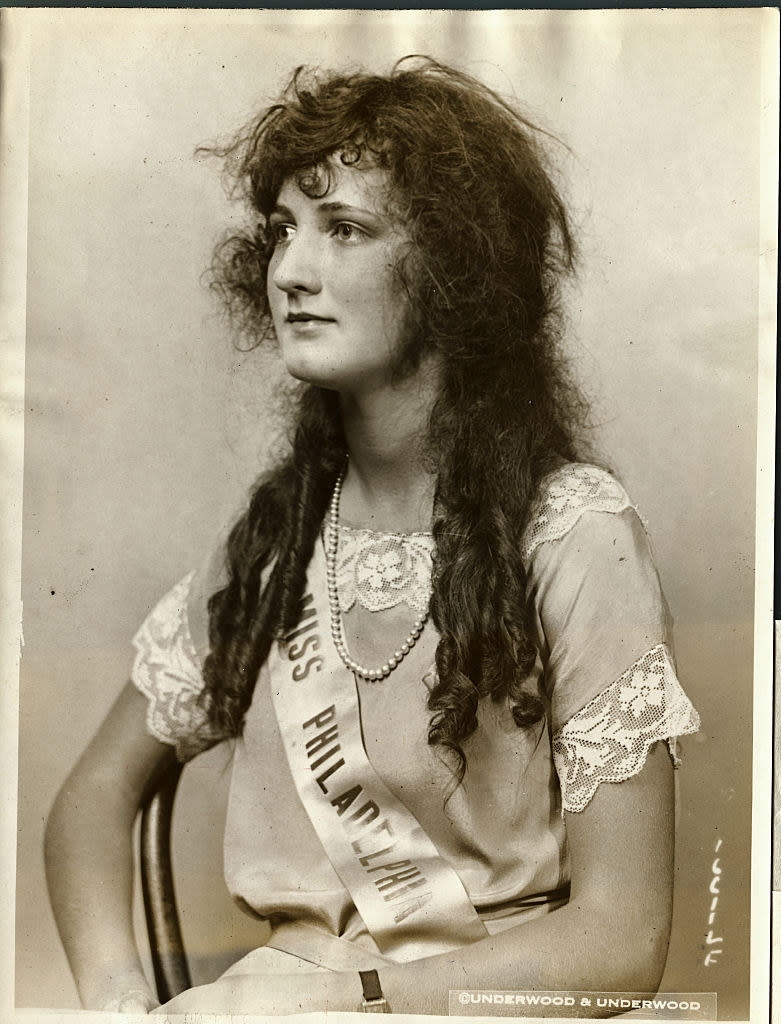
(605, 667)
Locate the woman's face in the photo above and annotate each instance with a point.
(337, 308)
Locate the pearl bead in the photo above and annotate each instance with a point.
(374, 674)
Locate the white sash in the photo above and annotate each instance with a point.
(412, 902)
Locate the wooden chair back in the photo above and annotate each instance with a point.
(169, 961)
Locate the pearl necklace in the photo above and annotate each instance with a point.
(372, 675)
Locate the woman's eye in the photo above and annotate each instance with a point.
(347, 232)
(281, 233)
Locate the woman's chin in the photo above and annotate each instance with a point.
(315, 375)
(312, 364)
(333, 376)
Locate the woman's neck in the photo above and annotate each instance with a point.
(388, 486)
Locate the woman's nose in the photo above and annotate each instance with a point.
(296, 266)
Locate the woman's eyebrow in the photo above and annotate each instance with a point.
(345, 208)
(281, 211)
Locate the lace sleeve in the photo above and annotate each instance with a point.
(608, 739)
(167, 671)
(604, 631)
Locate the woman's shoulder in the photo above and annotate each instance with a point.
(565, 496)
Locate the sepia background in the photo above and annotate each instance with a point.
(144, 427)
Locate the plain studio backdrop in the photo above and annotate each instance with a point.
(144, 427)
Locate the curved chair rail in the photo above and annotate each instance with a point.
(169, 961)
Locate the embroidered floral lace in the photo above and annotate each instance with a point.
(570, 492)
(167, 671)
(608, 739)
(381, 570)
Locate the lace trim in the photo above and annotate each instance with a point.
(381, 570)
(608, 739)
(167, 671)
(568, 493)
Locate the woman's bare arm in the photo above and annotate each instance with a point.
(89, 859)
(611, 937)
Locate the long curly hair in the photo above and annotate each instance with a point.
(468, 175)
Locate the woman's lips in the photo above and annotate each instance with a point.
(304, 318)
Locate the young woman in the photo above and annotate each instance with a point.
(435, 636)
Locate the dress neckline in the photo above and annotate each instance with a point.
(370, 534)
